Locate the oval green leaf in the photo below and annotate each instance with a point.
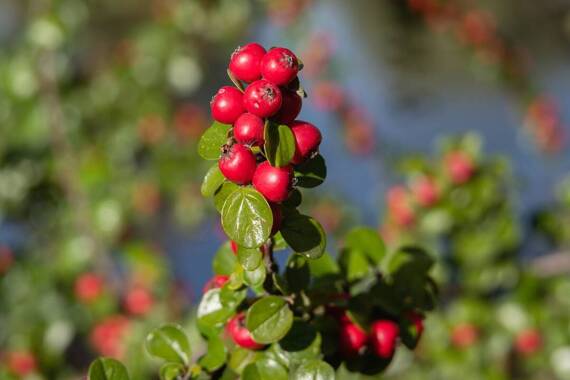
(247, 217)
(212, 181)
(211, 312)
(170, 343)
(249, 258)
(269, 319)
(314, 370)
(279, 144)
(171, 371)
(368, 241)
(107, 369)
(304, 235)
(256, 277)
(209, 147)
(265, 369)
(223, 193)
(224, 261)
(311, 173)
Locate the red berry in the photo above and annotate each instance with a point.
(6, 259)
(384, 336)
(227, 105)
(352, 338)
(108, 336)
(290, 107)
(262, 98)
(138, 301)
(88, 287)
(217, 281)
(240, 334)
(460, 167)
(234, 247)
(245, 62)
(425, 191)
(464, 335)
(400, 207)
(277, 217)
(273, 183)
(248, 130)
(237, 164)
(279, 66)
(21, 363)
(528, 341)
(307, 140)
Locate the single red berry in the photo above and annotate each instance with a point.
(384, 336)
(227, 105)
(21, 363)
(273, 183)
(290, 107)
(352, 338)
(262, 98)
(217, 281)
(400, 207)
(240, 334)
(234, 247)
(464, 335)
(237, 164)
(307, 140)
(6, 259)
(88, 287)
(460, 167)
(138, 301)
(425, 191)
(279, 66)
(248, 130)
(528, 342)
(277, 217)
(245, 62)
(108, 336)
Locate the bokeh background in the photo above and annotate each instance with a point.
(101, 107)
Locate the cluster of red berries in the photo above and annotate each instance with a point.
(381, 340)
(108, 337)
(425, 191)
(270, 96)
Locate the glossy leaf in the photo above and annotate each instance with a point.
(224, 261)
(279, 144)
(171, 371)
(312, 172)
(297, 273)
(247, 217)
(211, 311)
(107, 369)
(269, 319)
(304, 235)
(265, 369)
(170, 343)
(223, 193)
(368, 241)
(249, 258)
(209, 146)
(212, 181)
(314, 370)
(215, 356)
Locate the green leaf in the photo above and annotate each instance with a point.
(354, 264)
(279, 144)
(247, 217)
(311, 173)
(294, 200)
(297, 273)
(209, 147)
(265, 369)
(107, 369)
(211, 312)
(170, 343)
(215, 356)
(240, 358)
(410, 260)
(256, 277)
(171, 371)
(301, 343)
(212, 181)
(269, 319)
(249, 258)
(224, 261)
(323, 266)
(223, 193)
(304, 235)
(367, 241)
(314, 370)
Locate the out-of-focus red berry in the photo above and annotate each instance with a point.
(88, 287)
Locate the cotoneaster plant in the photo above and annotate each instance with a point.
(278, 306)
